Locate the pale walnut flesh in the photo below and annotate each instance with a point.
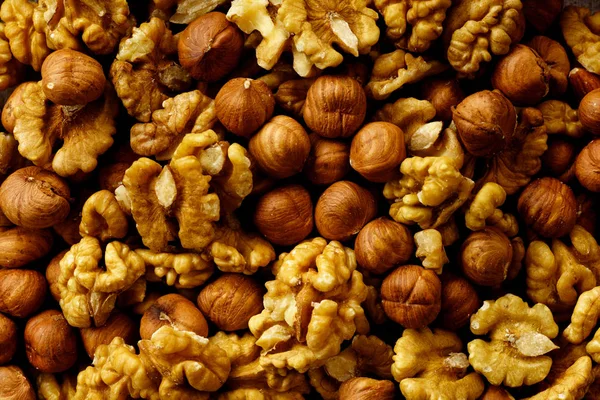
(484, 211)
(182, 270)
(11, 70)
(408, 114)
(560, 119)
(584, 317)
(429, 364)
(102, 217)
(572, 384)
(520, 340)
(430, 191)
(430, 249)
(581, 31)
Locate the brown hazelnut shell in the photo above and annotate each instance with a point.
(21, 246)
(541, 14)
(22, 292)
(173, 310)
(557, 61)
(582, 82)
(559, 157)
(117, 325)
(486, 256)
(8, 339)
(53, 273)
(360, 388)
(589, 112)
(444, 95)
(328, 160)
(459, 302)
(14, 385)
(587, 166)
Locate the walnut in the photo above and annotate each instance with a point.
(558, 274)
(560, 119)
(317, 26)
(431, 365)
(87, 290)
(409, 114)
(183, 270)
(85, 132)
(311, 307)
(581, 31)
(484, 211)
(189, 112)
(10, 159)
(520, 338)
(429, 192)
(103, 218)
(52, 388)
(572, 384)
(11, 70)
(513, 167)
(473, 32)
(187, 10)
(430, 140)
(430, 250)
(145, 72)
(425, 18)
(259, 394)
(394, 70)
(27, 45)
(584, 317)
(100, 25)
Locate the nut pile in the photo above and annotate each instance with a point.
(299, 199)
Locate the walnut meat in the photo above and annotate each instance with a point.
(103, 218)
(580, 30)
(182, 270)
(485, 210)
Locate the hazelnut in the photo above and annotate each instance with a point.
(541, 14)
(589, 112)
(587, 213)
(8, 339)
(111, 176)
(328, 160)
(71, 78)
(14, 385)
(34, 198)
(383, 244)
(486, 256)
(522, 75)
(495, 392)
(230, 301)
(377, 151)
(173, 310)
(366, 389)
(243, 105)
(335, 106)
(587, 166)
(52, 274)
(411, 296)
(210, 47)
(459, 302)
(582, 82)
(117, 325)
(556, 59)
(281, 147)
(485, 121)
(285, 215)
(50, 342)
(21, 246)
(559, 157)
(549, 207)
(22, 292)
(443, 94)
(343, 209)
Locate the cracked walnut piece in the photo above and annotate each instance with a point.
(408, 114)
(187, 10)
(560, 119)
(484, 211)
(394, 70)
(182, 270)
(426, 18)
(584, 317)
(11, 70)
(88, 291)
(476, 30)
(38, 125)
(430, 250)
(102, 217)
(572, 384)
(581, 31)
(558, 274)
(520, 338)
(430, 191)
(430, 365)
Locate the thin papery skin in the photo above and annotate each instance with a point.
(182, 270)
(429, 364)
(572, 384)
(520, 338)
(584, 317)
(485, 210)
(581, 30)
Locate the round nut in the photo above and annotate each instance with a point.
(522, 75)
(176, 311)
(582, 82)
(21, 246)
(117, 325)
(589, 112)
(335, 106)
(383, 244)
(495, 392)
(377, 151)
(411, 296)
(22, 292)
(559, 157)
(243, 105)
(367, 389)
(210, 47)
(50, 342)
(557, 61)
(542, 13)
(343, 209)
(587, 166)
(459, 302)
(111, 176)
(485, 121)
(230, 301)
(444, 95)
(280, 148)
(549, 207)
(8, 339)
(71, 78)
(285, 215)
(53, 273)
(486, 256)
(34, 198)
(328, 160)
(14, 385)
